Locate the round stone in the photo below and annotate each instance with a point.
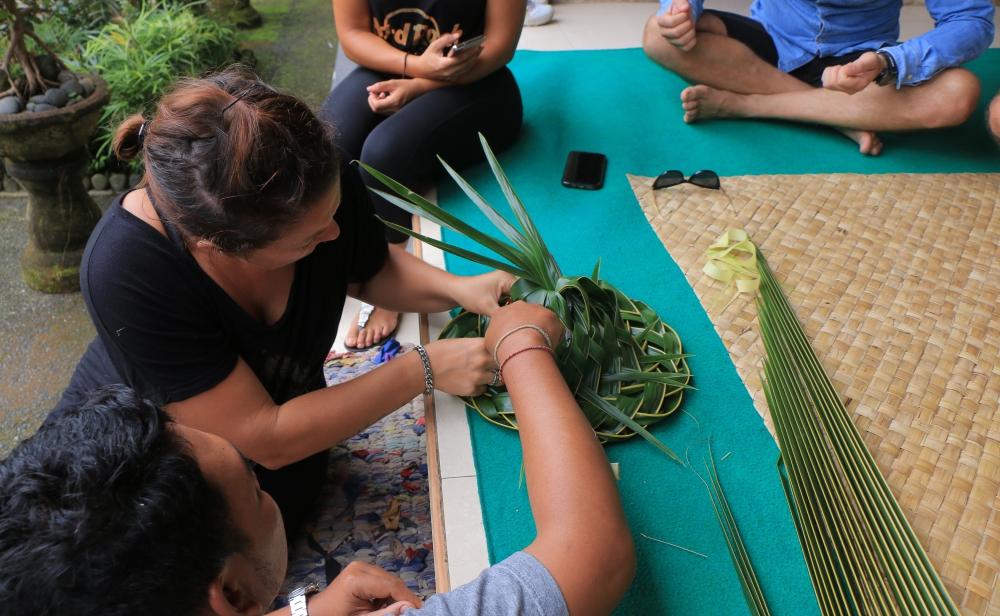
(99, 181)
(56, 97)
(47, 66)
(40, 107)
(10, 104)
(118, 181)
(38, 98)
(72, 88)
(88, 86)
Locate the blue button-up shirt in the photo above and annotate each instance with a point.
(807, 29)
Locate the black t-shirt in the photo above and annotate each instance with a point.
(411, 25)
(166, 329)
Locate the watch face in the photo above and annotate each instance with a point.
(303, 591)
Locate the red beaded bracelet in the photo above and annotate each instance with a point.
(539, 347)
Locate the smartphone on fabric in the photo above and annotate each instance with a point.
(461, 46)
(585, 170)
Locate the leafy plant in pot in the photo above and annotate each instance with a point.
(47, 114)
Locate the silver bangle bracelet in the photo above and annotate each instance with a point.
(545, 336)
(428, 372)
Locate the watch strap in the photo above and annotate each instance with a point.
(890, 73)
(298, 599)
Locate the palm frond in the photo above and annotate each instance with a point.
(863, 556)
(625, 366)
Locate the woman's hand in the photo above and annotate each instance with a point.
(481, 294)
(388, 97)
(508, 318)
(439, 63)
(461, 366)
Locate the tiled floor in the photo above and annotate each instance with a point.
(576, 26)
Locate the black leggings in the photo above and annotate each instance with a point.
(405, 145)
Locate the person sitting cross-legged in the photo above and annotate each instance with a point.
(113, 509)
(836, 63)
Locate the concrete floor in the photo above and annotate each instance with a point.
(43, 336)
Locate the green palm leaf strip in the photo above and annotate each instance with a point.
(625, 366)
(863, 556)
(749, 583)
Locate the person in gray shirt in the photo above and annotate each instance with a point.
(111, 508)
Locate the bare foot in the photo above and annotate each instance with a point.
(704, 103)
(868, 142)
(379, 325)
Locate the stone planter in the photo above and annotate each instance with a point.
(46, 153)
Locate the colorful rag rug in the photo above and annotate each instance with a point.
(374, 507)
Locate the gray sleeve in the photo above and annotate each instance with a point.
(518, 585)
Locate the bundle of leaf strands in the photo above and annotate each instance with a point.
(745, 571)
(624, 365)
(863, 556)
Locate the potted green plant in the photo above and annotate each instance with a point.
(47, 114)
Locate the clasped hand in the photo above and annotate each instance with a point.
(388, 97)
(677, 25)
(363, 589)
(854, 76)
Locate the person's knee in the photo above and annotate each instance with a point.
(956, 100)
(383, 150)
(658, 48)
(993, 118)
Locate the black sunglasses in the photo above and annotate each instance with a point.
(705, 179)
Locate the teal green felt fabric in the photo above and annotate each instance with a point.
(621, 104)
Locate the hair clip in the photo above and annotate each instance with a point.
(236, 100)
(142, 132)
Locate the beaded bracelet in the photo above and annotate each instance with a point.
(428, 373)
(536, 347)
(496, 347)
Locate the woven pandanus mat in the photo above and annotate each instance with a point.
(896, 279)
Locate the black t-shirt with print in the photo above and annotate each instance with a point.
(166, 329)
(411, 25)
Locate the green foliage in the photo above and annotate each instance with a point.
(86, 15)
(145, 51)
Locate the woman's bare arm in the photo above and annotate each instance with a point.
(583, 538)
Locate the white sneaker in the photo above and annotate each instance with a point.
(538, 14)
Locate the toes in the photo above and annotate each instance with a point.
(693, 93)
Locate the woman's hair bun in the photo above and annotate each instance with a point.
(127, 144)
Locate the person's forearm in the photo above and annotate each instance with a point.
(371, 51)
(583, 538)
(959, 35)
(570, 485)
(408, 284)
(316, 421)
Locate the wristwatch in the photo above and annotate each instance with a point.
(890, 73)
(297, 599)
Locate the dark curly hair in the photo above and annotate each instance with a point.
(104, 512)
(231, 160)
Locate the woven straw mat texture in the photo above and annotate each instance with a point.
(896, 279)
